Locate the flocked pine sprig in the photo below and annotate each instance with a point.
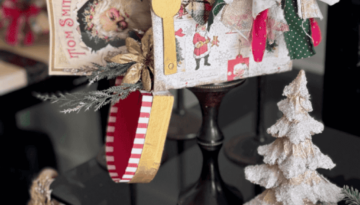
(352, 196)
(75, 102)
(109, 71)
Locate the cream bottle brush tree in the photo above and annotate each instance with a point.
(289, 173)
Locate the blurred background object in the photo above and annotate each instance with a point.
(24, 22)
(24, 55)
(40, 189)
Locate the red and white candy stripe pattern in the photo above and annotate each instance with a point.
(139, 140)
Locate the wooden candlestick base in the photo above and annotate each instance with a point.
(210, 189)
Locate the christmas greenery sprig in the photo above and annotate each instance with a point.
(109, 71)
(352, 196)
(75, 102)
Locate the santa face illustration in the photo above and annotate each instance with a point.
(112, 20)
(108, 21)
(115, 18)
(201, 46)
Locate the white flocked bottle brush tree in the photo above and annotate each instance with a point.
(289, 173)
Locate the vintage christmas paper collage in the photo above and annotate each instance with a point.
(222, 51)
(84, 32)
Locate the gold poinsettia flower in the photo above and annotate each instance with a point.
(142, 55)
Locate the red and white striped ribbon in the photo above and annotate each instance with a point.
(138, 144)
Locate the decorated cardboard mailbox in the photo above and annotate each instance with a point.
(215, 45)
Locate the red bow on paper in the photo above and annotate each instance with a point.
(17, 18)
(182, 11)
(179, 33)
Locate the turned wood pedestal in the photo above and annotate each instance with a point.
(210, 189)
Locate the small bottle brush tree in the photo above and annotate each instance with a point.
(289, 173)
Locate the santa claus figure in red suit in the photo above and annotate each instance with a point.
(202, 47)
